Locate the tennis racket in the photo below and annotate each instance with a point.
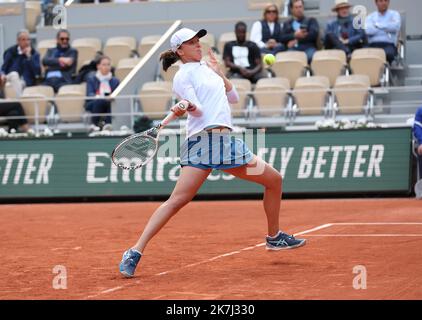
(138, 149)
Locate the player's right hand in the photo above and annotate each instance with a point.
(180, 108)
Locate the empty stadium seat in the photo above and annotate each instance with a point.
(291, 65)
(32, 14)
(87, 49)
(207, 42)
(329, 63)
(243, 88)
(271, 95)
(88, 42)
(351, 93)
(9, 91)
(71, 110)
(125, 66)
(44, 45)
(370, 61)
(169, 74)
(310, 95)
(30, 103)
(119, 48)
(155, 98)
(147, 43)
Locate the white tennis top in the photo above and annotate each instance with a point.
(200, 85)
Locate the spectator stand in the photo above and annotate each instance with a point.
(384, 104)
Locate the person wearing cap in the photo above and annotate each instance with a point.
(340, 33)
(383, 29)
(207, 93)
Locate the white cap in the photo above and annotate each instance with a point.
(183, 35)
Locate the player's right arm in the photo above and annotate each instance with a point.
(184, 90)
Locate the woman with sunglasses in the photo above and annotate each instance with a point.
(206, 93)
(266, 33)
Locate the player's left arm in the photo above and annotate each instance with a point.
(231, 92)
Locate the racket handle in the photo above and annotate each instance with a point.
(172, 116)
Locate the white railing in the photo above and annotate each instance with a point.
(286, 114)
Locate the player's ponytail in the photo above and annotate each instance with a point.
(169, 57)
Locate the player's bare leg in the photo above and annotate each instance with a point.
(261, 172)
(190, 180)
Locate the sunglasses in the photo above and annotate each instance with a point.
(64, 39)
(271, 11)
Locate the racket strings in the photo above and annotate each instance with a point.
(135, 152)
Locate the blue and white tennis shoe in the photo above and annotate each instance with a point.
(283, 241)
(129, 262)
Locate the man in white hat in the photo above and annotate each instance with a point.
(340, 33)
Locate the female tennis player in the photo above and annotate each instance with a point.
(208, 92)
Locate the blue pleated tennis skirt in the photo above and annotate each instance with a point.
(214, 150)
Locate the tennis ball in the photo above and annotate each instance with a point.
(269, 59)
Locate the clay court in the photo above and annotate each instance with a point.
(214, 250)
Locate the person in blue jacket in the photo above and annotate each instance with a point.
(100, 85)
(417, 131)
(60, 62)
(21, 64)
(340, 33)
(300, 33)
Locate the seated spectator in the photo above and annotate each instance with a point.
(417, 131)
(340, 33)
(21, 66)
(267, 32)
(13, 109)
(127, 1)
(89, 69)
(100, 85)
(60, 61)
(242, 57)
(94, 1)
(383, 29)
(299, 32)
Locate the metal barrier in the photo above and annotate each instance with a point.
(62, 115)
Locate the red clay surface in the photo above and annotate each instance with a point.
(89, 239)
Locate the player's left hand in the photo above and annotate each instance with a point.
(420, 150)
(213, 63)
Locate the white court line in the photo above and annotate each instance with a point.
(203, 262)
(370, 234)
(324, 226)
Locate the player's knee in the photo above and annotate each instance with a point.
(177, 203)
(276, 181)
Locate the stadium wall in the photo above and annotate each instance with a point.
(12, 20)
(320, 162)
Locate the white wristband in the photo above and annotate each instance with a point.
(232, 95)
